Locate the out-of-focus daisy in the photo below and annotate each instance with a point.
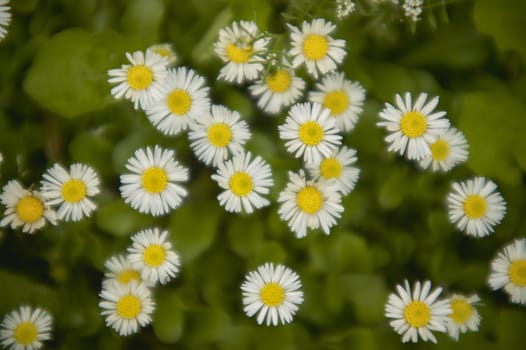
(151, 253)
(464, 316)
(241, 47)
(244, 181)
(142, 80)
(416, 314)
(153, 185)
(339, 167)
(344, 8)
(186, 98)
(273, 293)
(310, 132)
(121, 270)
(5, 17)
(413, 127)
(25, 329)
(449, 150)
(25, 208)
(165, 50)
(475, 206)
(309, 204)
(344, 98)
(314, 47)
(126, 307)
(71, 191)
(413, 9)
(508, 271)
(216, 136)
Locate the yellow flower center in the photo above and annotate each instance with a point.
(241, 183)
(475, 206)
(127, 276)
(462, 311)
(154, 255)
(417, 314)
(311, 133)
(330, 168)
(219, 134)
(237, 55)
(29, 209)
(162, 51)
(413, 124)
(440, 150)
(279, 81)
(179, 102)
(139, 77)
(25, 333)
(272, 294)
(337, 101)
(517, 272)
(154, 180)
(309, 199)
(73, 191)
(315, 47)
(129, 306)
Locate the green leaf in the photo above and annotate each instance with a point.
(208, 325)
(119, 219)
(367, 293)
(168, 316)
(257, 11)
(245, 235)
(142, 18)
(93, 149)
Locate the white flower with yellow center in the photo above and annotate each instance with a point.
(152, 187)
(151, 253)
(121, 270)
(344, 98)
(126, 307)
(165, 50)
(71, 191)
(216, 136)
(28, 209)
(464, 316)
(314, 47)
(449, 150)
(240, 46)
(475, 206)
(244, 181)
(309, 204)
(418, 313)
(508, 271)
(339, 168)
(273, 293)
(5, 17)
(310, 132)
(413, 127)
(142, 80)
(25, 329)
(186, 99)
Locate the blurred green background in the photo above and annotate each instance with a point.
(55, 106)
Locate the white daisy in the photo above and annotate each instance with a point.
(413, 127)
(152, 187)
(142, 80)
(185, 99)
(25, 328)
(273, 293)
(310, 132)
(464, 316)
(344, 98)
(151, 253)
(216, 136)
(338, 167)
(508, 271)
(413, 9)
(449, 150)
(121, 270)
(25, 208)
(309, 204)
(127, 307)
(165, 50)
(244, 181)
(5, 17)
(240, 46)
(418, 313)
(71, 191)
(475, 206)
(314, 47)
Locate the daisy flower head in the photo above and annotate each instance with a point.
(71, 191)
(141, 81)
(314, 47)
(153, 187)
(186, 98)
(475, 206)
(413, 127)
(25, 328)
(310, 132)
(217, 135)
(418, 312)
(119, 268)
(5, 17)
(126, 307)
(344, 98)
(338, 167)
(448, 150)
(241, 47)
(508, 271)
(151, 253)
(309, 204)
(464, 316)
(273, 293)
(165, 50)
(244, 181)
(25, 208)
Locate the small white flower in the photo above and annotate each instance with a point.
(121, 270)
(344, 8)
(25, 329)
(5, 17)
(418, 313)
(449, 150)
(508, 271)
(413, 9)
(464, 316)
(165, 50)
(475, 206)
(273, 293)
